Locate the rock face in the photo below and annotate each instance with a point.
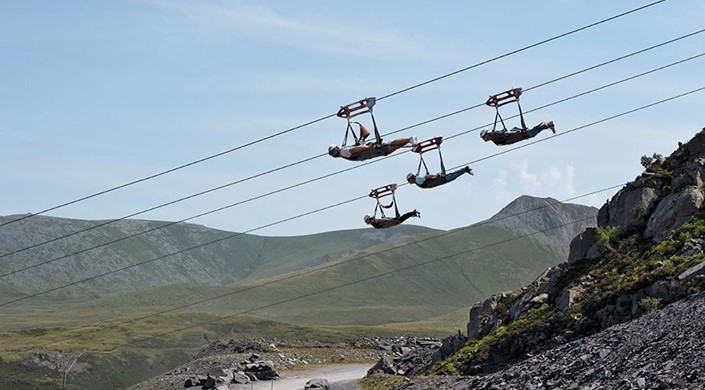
(661, 350)
(673, 211)
(669, 193)
(664, 197)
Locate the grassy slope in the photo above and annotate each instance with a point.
(406, 291)
(119, 355)
(232, 260)
(630, 263)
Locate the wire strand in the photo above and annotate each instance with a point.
(393, 132)
(162, 173)
(339, 172)
(337, 264)
(520, 50)
(44, 292)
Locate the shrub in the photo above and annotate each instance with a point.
(648, 160)
(605, 238)
(649, 304)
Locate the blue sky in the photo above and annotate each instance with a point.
(97, 94)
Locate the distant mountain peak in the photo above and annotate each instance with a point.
(546, 220)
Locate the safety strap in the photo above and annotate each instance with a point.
(350, 129)
(381, 192)
(359, 107)
(500, 100)
(425, 146)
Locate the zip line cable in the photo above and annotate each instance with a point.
(44, 292)
(586, 93)
(517, 51)
(340, 171)
(324, 154)
(259, 140)
(328, 266)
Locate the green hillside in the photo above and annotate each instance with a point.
(220, 258)
(401, 281)
(334, 285)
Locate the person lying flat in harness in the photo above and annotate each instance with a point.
(387, 222)
(383, 221)
(370, 149)
(361, 149)
(516, 134)
(430, 180)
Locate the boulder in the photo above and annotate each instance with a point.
(240, 377)
(581, 245)
(622, 208)
(672, 212)
(449, 346)
(603, 215)
(483, 318)
(385, 365)
(692, 272)
(566, 300)
(318, 384)
(691, 174)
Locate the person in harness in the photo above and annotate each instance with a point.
(383, 221)
(509, 136)
(362, 150)
(430, 180)
(369, 150)
(434, 180)
(515, 134)
(387, 222)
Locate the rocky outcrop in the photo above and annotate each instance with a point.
(673, 211)
(626, 208)
(484, 317)
(583, 247)
(664, 197)
(410, 359)
(661, 350)
(253, 369)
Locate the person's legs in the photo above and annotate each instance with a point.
(396, 144)
(457, 173)
(537, 129)
(408, 215)
(364, 133)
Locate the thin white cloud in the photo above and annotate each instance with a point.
(310, 31)
(551, 181)
(530, 181)
(501, 190)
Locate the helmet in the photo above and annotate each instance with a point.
(483, 133)
(367, 218)
(332, 148)
(410, 176)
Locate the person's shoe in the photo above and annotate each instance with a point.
(417, 213)
(413, 140)
(551, 126)
(468, 169)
